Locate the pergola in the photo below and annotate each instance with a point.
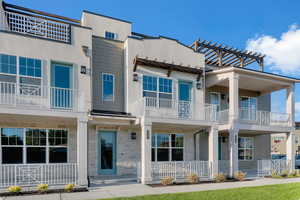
(223, 56)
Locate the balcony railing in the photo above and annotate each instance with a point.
(36, 26)
(173, 109)
(34, 174)
(263, 118)
(38, 97)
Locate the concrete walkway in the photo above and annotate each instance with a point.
(134, 189)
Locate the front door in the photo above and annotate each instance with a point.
(184, 99)
(61, 86)
(107, 152)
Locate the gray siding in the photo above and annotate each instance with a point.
(108, 57)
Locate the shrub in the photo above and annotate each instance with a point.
(42, 187)
(15, 189)
(275, 174)
(69, 187)
(297, 173)
(240, 176)
(193, 178)
(167, 180)
(220, 178)
(284, 173)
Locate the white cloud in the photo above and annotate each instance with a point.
(282, 54)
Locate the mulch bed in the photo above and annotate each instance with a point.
(50, 191)
(201, 182)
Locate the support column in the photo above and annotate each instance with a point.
(233, 152)
(290, 104)
(290, 150)
(233, 98)
(146, 152)
(213, 150)
(82, 151)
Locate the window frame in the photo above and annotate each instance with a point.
(252, 149)
(169, 147)
(113, 87)
(115, 35)
(16, 64)
(47, 146)
(249, 109)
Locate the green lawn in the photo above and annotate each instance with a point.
(272, 192)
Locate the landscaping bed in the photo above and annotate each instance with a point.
(49, 191)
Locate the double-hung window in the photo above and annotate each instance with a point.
(248, 108)
(8, 64)
(158, 91)
(246, 148)
(108, 87)
(167, 147)
(30, 71)
(28, 146)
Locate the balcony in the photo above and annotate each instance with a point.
(25, 96)
(173, 109)
(256, 117)
(41, 27)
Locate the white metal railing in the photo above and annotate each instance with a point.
(33, 174)
(224, 167)
(267, 167)
(265, 118)
(35, 96)
(31, 25)
(179, 169)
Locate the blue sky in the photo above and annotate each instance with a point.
(232, 22)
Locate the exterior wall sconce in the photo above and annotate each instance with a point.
(199, 85)
(135, 77)
(83, 70)
(86, 51)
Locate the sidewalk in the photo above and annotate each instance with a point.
(135, 189)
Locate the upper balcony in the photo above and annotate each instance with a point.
(170, 109)
(36, 97)
(35, 23)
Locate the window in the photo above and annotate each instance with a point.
(111, 35)
(108, 87)
(8, 64)
(215, 99)
(167, 147)
(37, 145)
(160, 89)
(246, 148)
(248, 108)
(30, 67)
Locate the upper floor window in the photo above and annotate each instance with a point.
(248, 107)
(246, 148)
(108, 87)
(30, 67)
(160, 89)
(111, 35)
(8, 64)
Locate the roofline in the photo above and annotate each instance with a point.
(93, 13)
(229, 69)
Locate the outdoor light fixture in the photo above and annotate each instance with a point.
(85, 49)
(83, 70)
(135, 77)
(199, 85)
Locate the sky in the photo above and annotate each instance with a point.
(271, 27)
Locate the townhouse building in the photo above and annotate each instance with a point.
(89, 99)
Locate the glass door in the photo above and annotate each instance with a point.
(184, 99)
(215, 100)
(107, 152)
(248, 108)
(61, 86)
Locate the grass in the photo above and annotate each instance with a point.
(274, 192)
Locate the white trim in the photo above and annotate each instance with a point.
(252, 149)
(102, 81)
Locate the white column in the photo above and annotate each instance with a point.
(3, 23)
(233, 151)
(213, 150)
(290, 103)
(82, 151)
(146, 152)
(233, 98)
(290, 150)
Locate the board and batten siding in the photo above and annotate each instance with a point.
(108, 57)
